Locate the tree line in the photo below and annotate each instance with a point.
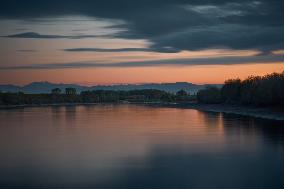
(265, 90)
(98, 96)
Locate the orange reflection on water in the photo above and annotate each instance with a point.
(98, 142)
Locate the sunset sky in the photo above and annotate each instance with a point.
(93, 42)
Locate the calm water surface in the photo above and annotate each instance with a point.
(129, 146)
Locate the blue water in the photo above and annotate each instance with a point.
(129, 146)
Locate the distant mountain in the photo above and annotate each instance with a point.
(169, 87)
(46, 87)
(9, 88)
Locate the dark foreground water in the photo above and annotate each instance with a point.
(128, 146)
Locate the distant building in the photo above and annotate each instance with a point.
(56, 91)
(70, 91)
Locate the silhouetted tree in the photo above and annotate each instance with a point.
(181, 95)
(209, 95)
(56, 91)
(267, 90)
(70, 91)
(1, 98)
(231, 91)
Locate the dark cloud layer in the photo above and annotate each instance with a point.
(107, 50)
(176, 24)
(33, 35)
(154, 63)
(163, 50)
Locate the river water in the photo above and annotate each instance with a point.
(132, 146)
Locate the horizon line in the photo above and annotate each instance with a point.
(107, 84)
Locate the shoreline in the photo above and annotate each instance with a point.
(250, 111)
(3, 107)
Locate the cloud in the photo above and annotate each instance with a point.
(161, 50)
(27, 50)
(106, 50)
(179, 24)
(224, 36)
(34, 35)
(260, 59)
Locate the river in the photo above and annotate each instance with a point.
(136, 146)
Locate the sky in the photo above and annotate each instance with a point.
(92, 42)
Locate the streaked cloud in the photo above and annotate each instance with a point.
(138, 34)
(27, 50)
(34, 35)
(266, 59)
(179, 24)
(164, 50)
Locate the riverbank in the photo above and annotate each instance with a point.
(78, 104)
(43, 105)
(252, 111)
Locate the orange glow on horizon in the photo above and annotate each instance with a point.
(93, 76)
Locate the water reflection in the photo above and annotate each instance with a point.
(128, 146)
